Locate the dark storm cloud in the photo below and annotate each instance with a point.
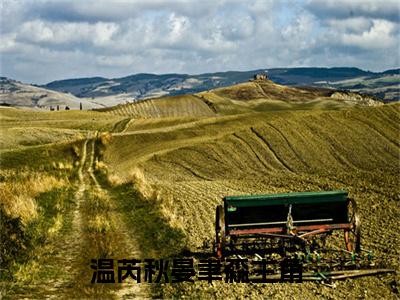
(109, 11)
(343, 9)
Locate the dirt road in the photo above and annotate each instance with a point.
(93, 229)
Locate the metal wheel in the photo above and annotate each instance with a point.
(220, 238)
(352, 237)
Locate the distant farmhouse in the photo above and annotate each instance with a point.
(260, 77)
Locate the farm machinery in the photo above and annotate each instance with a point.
(320, 229)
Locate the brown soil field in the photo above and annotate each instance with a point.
(144, 179)
(192, 168)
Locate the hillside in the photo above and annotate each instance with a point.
(384, 85)
(97, 92)
(189, 165)
(258, 95)
(174, 106)
(143, 180)
(17, 94)
(290, 142)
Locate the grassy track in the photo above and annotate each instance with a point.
(92, 229)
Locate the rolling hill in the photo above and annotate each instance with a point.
(143, 180)
(384, 85)
(256, 95)
(189, 165)
(17, 94)
(97, 92)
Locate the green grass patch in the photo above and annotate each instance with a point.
(39, 157)
(20, 243)
(155, 236)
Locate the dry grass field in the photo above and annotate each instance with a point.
(193, 166)
(175, 106)
(144, 179)
(260, 95)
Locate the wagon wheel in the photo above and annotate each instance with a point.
(220, 238)
(352, 237)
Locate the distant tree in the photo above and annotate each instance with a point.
(80, 105)
(58, 107)
(66, 108)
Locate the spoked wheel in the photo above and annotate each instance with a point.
(220, 238)
(352, 237)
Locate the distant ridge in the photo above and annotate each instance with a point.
(97, 92)
(251, 96)
(60, 83)
(384, 85)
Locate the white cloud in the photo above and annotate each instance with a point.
(117, 38)
(43, 32)
(7, 43)
(300, 32)
(115, 61)
(379, 36)
(351, 25)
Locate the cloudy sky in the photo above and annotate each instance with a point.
(43, 40)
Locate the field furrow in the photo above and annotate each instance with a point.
(270, 149)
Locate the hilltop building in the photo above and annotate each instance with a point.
(260, 77)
